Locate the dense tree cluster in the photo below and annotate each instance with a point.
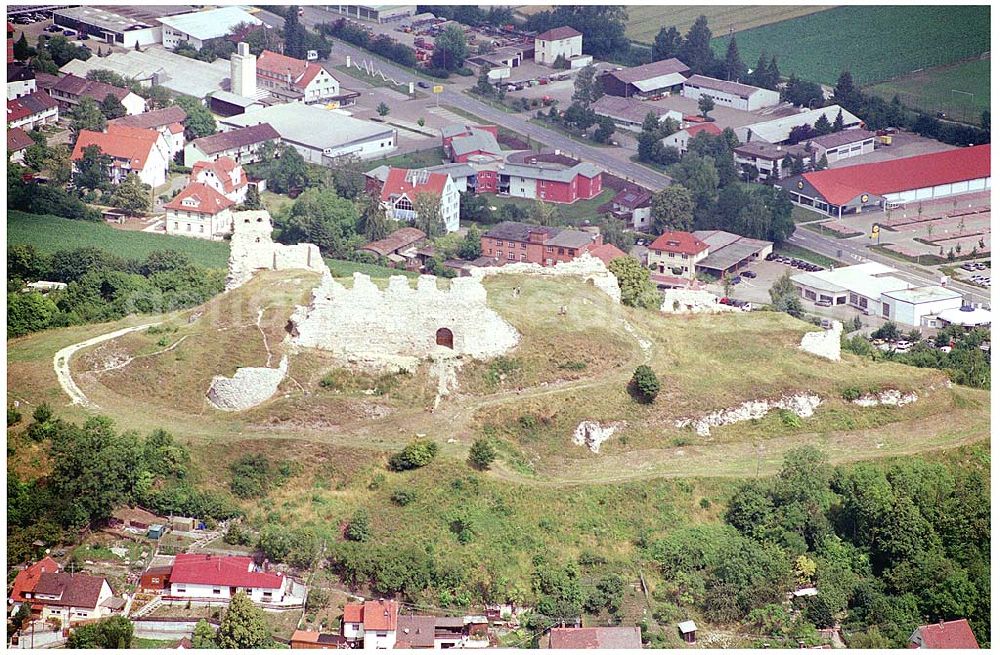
(380, 44)
(101, 286)
(602, 26)
(472, 15)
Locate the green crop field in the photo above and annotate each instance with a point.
(944, 89)
(644, 21)
(875, 43)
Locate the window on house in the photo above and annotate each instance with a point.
(524, 246)
(510, 244)
(404, 204)
(549, 248)
(510, 256)
(216, 591)
(182, 590)
(499, 242)
(524, 257)
(572, 252)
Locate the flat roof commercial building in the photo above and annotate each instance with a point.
(157, 65)
(730, 94)
(861, 286)
(647, 80)
(126, 26)
(319, 134)
(853, 189)
(777, 131)
(199, 27)
(914, 306)
(374, 13)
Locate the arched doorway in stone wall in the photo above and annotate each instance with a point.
(444, 337)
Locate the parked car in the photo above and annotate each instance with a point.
(735, 280)
(84, 37)
(423, 85)
(749, 274)
(69, 33)
(824, 303)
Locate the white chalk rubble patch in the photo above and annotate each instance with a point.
(248, 388)
(825, 343)
(893, 397)
(802, 405)
(592, 435)
(692, 301)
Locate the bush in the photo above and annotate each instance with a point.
(645, 384)
(359, 528)
(850, 394)
(481, 454)
(403, 497)
(417, 454)
(13, 416)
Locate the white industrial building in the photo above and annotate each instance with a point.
(861, 286)
(319, 134)
(157, 65)
(123, 26)
(777, 131)
(843, 144)
(915, 306)
(374, 13)
(560, 41)
(730, 94)
(198, 27)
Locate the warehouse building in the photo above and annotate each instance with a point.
(730, 94)
(860, 286)
(374, 13)
(319, 134)
(919, 306)
(777, 131)
(629, 113)
(728, 252)
(157, 65)
(843, 144)
(199, 27)
(854, 189)
(242, 145)
(657, 78)
(126, 26)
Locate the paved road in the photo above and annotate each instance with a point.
(614, 160)
(855, 253)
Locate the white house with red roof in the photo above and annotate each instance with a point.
(27, 578)
(137, 151)
(402, 186)
(373, 622)
(276, 72)
(674, 255)
(168, 121)
(32, 110)
(681, 138)
(218, 578)
(225, 176)
(564, 41)
(199, 211)
(72, 597)
(162, 145)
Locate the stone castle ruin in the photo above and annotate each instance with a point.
(365, 323)
(252, 250)
(587, 267)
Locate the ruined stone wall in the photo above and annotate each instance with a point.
(690, 301)
(248, 388)
(252, 250)
(825, 344)
(585, 267)
(364, 322)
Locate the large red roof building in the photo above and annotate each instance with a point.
(852, 189)
(946, 634)
(301, 79)
(219, 578)
(133, 151)
(26, 579)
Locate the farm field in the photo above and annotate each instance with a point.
(644, 21)
(907, 37)
(932, 89)
(52, 233)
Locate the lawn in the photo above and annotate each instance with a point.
(415, 159)
(944, 89)
(574, 214)
(571, 133)
(501, 131)
(52, 233)
(644, 21)
(875, 43)
(790, 250)
(376, 80)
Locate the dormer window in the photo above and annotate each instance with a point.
(189, 202)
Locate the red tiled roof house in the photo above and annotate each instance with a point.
(26, 579)
(200, 211)
(402, 186)
(168, 121)
(372, 622)
(210, 577)
(621, 638)
(946, 634)
(511, 242)
(71, 597)
(681, 138)
(675, 254)
(225, 176)
(32, 110)
(17, 142)
(132, 151)
(277, 72)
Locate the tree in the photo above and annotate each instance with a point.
(484, 86)
(472, 245)
(93, 169)
(383, 109)
(87, 115)
(481, 454)
(705, 105)
(822, 164)
(699, 175)
(29, 312)
(637, 288)
(204, 635)
(544, 213)
(845, 93)
(838, 122)
(373, 222)
(613, 232)
(822, 125)
(697, 49)
(22, 51)
(801, 92)
(673, 209)
(243, 625)
(605, 129)
(450, 49)
(322, 217)
(253, 201)
(428, 219)
(785, 296)
(667, 43)
(734, 66)
(417, 454)
(199, 121)
(111, 633)
(645, 384)
(773, 74)
(585, 87)
(359, 527)
(295, 34)
(132, 195)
